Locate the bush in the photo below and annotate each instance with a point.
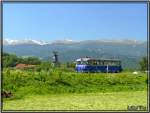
(44, 66)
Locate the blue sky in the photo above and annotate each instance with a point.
(80, 21)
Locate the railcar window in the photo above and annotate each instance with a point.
(95, 62)
(83, 62)
(114, 63)
(105, 63)
(99, 62)
(79, 62)
(90, 62)
(119, 63)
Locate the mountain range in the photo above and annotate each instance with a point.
(129, 51)
(67, 41)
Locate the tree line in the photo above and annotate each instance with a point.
(11, 60)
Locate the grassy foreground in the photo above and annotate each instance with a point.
(67, 90)
(84, 101)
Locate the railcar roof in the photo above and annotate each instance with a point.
(88, 59)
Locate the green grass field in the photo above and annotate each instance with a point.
(22, 83)
(61, 90)
(85, 101)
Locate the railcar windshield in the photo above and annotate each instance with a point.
(82, 63)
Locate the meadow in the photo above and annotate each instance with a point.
(55, 89)
(82, 101)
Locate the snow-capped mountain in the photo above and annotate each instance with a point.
(69, 41)
(64, 41)
(25, 41)
(114, 41)
(30, 41)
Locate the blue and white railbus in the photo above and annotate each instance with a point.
(98, 65)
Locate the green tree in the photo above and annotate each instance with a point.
(143, 63)
(9, 60)
(31, 60)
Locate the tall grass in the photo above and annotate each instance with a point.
(52, 81)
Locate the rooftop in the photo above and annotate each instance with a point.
(87, 59)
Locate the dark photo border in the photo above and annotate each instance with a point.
(73, 1)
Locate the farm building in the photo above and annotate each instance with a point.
(23, 66)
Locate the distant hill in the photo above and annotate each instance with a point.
(129, 51)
